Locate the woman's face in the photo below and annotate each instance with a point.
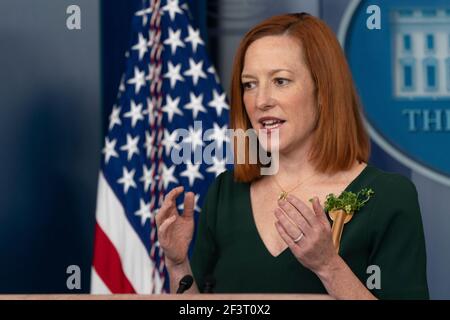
(279, 92)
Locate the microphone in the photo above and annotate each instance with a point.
(185, 283)
(210, 282)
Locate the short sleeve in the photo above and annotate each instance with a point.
(398, 242)
(204, 255)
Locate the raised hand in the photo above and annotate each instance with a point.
(307, 232)
(175, 231)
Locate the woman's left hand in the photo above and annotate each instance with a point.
(308, 234)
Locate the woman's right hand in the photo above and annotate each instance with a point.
(175, 231)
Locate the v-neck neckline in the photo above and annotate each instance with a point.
(255, 230)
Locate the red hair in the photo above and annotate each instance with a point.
(340, 137)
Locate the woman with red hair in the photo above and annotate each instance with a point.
(260, 233)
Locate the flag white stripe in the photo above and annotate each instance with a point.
(111, 217)
(97, 284)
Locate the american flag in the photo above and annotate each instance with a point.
(168, 84)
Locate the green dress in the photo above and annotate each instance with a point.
(386, 232)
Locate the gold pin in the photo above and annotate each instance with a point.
(339, 218)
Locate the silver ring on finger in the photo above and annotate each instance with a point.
(300, 237)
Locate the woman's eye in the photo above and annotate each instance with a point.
(248, 85)
(281, 81)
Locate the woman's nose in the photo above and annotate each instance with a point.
(264, 99)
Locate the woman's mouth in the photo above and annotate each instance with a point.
(271, 124)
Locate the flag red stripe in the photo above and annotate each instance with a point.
(108, 265)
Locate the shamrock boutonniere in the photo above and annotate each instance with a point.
(341, 210)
